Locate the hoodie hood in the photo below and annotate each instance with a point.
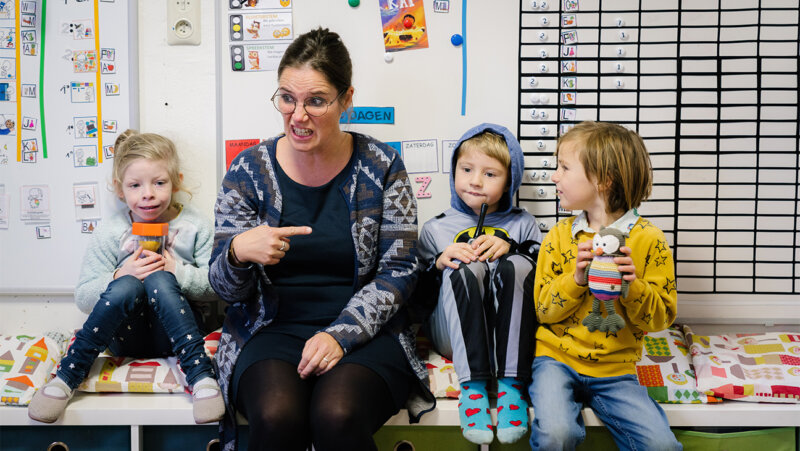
(515, 171)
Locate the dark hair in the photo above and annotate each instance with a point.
(324, 51)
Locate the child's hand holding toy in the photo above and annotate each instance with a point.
(141, 264)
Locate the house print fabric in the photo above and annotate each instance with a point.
(748, 367)
(119, 374)
(665, 369)
(442, 375)
(122, 374)
(25, 365)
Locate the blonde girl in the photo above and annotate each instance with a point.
(142, 303)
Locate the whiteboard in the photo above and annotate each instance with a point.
(712, 89)
(423, 85)
(85, 95)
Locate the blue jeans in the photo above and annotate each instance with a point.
(558, 394)
(140, 319)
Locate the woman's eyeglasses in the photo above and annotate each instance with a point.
(314, 106)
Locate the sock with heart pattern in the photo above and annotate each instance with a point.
(473, 410)
(512, 410)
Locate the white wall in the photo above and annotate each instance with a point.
(177, 95)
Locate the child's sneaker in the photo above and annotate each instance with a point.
(50, 401)
(207, 403)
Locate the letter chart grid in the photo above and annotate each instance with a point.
(712, 87)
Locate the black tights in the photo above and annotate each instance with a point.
(339, 411)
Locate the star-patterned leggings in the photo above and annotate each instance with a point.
(141, 319)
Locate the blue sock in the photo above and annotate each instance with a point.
(512, 410)
(473, 411)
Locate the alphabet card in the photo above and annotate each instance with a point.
(108, 67)
(109, 126)
(108, 54)
(29, 123)
(44, 232)
(30, 148)
(112, 89)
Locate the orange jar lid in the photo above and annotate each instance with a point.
(150, 228)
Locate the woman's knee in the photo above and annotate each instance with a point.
(275, 418)
(335, 417)
(341, 427)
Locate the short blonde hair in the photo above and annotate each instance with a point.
(616, 158)
(132, 145)
(490, 144)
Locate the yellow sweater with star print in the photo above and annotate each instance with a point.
(561, 304)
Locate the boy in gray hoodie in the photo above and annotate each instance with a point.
(480, 255)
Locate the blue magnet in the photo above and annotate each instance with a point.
(456, 40)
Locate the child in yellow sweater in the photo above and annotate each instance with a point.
(603, 170)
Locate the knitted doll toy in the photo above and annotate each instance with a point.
(605, 281)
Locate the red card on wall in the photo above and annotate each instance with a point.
(234, 146)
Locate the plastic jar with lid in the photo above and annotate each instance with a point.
(152, 236)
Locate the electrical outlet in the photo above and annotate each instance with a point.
(183, 22)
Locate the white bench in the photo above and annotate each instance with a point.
(141, 410)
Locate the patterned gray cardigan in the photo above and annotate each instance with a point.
(383, 218)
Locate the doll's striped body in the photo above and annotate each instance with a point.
(605, 280)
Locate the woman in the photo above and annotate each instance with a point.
(315, 251)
